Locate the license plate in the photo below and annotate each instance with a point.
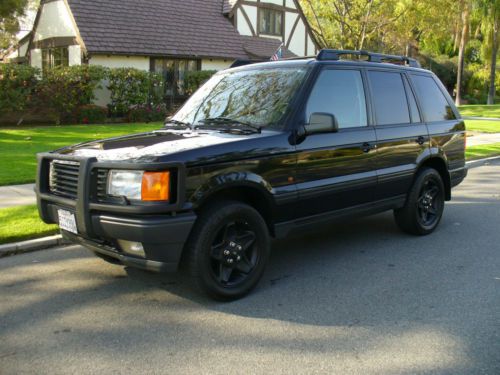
(67, 221)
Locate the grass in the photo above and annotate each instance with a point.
(483, 126)
(492, 111)
(23, 223)
(18, 146)
(482, 151)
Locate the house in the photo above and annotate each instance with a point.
(167, 36)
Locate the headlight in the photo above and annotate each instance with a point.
(139, 185)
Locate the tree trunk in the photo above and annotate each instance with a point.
(461, 51)
(493, 64)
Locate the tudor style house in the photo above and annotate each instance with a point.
(166, 36)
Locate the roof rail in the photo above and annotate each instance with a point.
(241, 62)
(334, 54)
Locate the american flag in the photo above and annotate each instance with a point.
(278, 54)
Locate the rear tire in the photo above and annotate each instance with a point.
(424, 205)
(228, 250)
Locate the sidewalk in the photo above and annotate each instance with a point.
(477, 139)
(17, 195)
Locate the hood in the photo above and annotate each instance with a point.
(148, 147)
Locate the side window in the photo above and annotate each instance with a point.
(389, 98)
(415, 115)
(434, 103)
(341, 93)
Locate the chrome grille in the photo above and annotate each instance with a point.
(63, 178)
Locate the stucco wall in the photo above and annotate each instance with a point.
(54, 21)
(103, 96)
(213, 64)
(138, 62)
(36, 58)
(23, 48)
(75, 55)
(296, 42)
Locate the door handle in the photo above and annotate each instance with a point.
(367, 147)
(420, 140)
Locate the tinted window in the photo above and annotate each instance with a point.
(389, 98)
(341, 93)
(433, 101)
(415, 115)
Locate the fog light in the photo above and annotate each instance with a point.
(132, 248)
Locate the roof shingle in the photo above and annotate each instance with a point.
(187, 28)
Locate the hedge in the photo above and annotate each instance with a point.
(18, 84)
(69, 92)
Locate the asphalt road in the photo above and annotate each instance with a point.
(356, 298)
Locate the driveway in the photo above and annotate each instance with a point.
(358, 297)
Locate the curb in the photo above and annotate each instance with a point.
(31, 245)
(480, 162)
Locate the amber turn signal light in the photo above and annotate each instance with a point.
(156, 186)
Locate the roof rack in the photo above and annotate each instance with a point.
(334, 54)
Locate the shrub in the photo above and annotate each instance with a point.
(146, 113)
(67, 88)
(18, 84)
(133, 87)
(91, 114)
(194, 80)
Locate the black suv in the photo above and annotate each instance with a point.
(255, 153)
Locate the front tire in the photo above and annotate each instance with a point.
(424, 205)
(228, 250)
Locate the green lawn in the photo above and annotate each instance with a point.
(482, 151)
(23, 223)
(18, 146)
(483, 126)
(480, 110)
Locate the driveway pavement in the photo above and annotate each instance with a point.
(357, 297)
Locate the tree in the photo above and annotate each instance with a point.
(10, 13)
(465, 10)
(490, 16)
(392, 26)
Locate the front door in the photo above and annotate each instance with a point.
(337, 170)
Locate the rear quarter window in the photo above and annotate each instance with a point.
(434, 105)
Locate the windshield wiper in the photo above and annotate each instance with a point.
(227, 123)
(178, 123)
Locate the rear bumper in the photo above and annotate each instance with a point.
(458, 175)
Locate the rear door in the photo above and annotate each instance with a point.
(402, 138)
(446, 129)
(337, 170)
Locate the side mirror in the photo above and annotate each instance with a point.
(322, 123)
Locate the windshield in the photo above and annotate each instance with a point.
(256, 98)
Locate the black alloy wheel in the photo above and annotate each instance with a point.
(234, 253)
(228, 249)
(424, 205)
(429, 203)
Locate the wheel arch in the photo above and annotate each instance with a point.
(252, 190)
(439, 164)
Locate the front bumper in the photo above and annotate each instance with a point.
(162, 229)
(162, 238)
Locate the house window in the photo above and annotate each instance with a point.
(270, 22)
(52, 57)
(174, 73)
